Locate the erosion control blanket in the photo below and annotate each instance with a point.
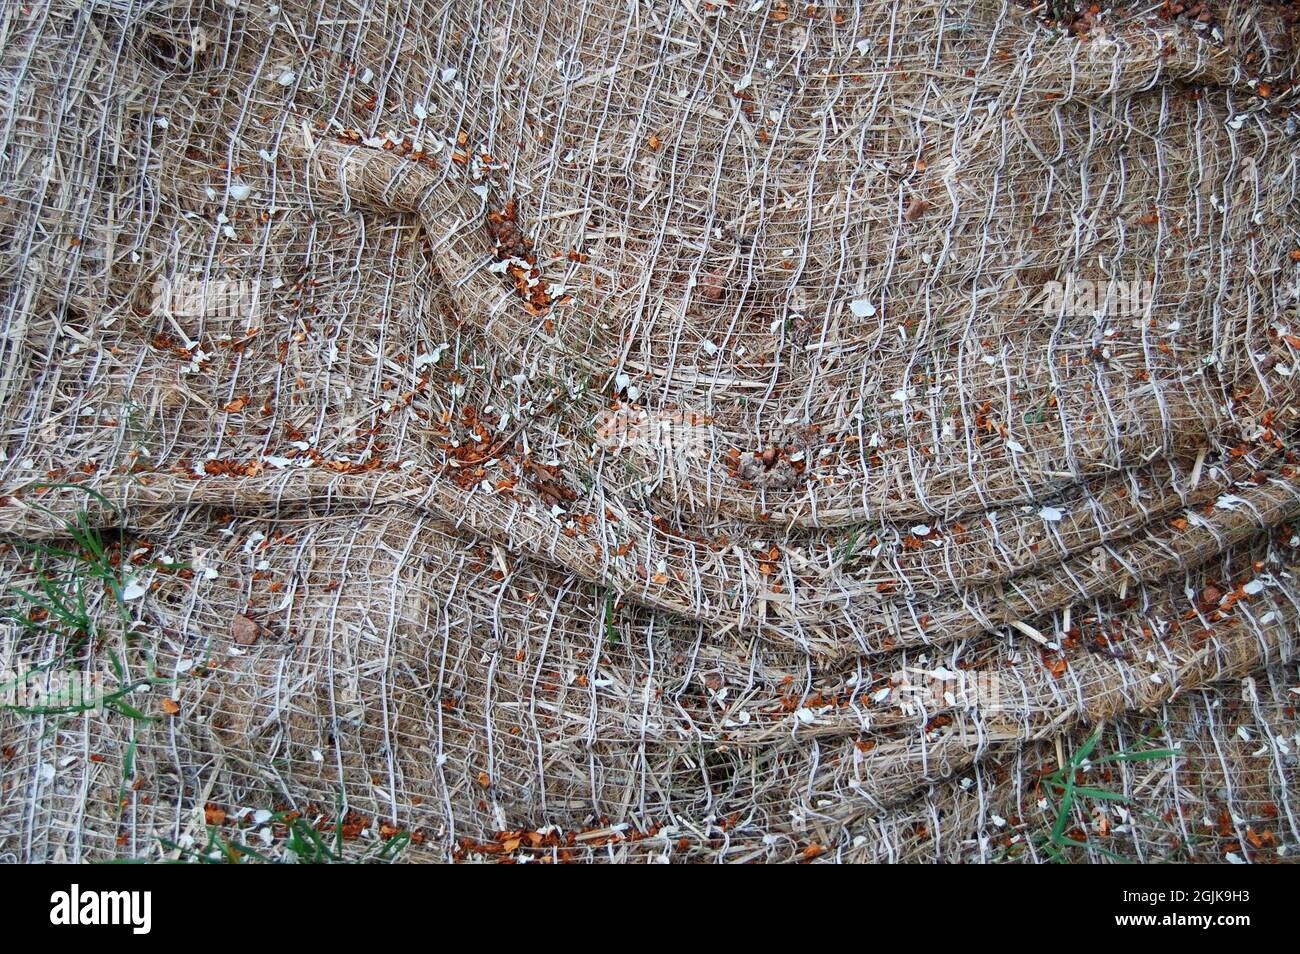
(648, 431)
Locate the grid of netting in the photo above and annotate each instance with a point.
(679, 431)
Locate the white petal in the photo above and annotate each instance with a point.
(862, 308)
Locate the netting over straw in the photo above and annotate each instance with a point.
(673, 431)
